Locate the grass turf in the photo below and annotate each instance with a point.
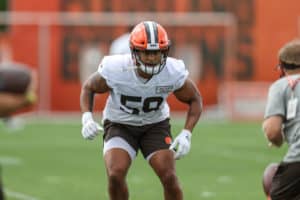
(50, 161)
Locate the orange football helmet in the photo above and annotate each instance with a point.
(149, 36)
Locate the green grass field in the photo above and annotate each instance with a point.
(48, 161)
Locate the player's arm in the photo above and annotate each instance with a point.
(190, 95)
(272, 127)
(94, 84)
(10, 103)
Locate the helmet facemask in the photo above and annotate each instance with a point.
(150, 69)
(149, 37)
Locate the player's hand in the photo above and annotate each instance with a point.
(90, 128)
(182, 144)
(31, 92)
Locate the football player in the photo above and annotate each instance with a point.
(136, 115)
(17, 90)
(282, 122)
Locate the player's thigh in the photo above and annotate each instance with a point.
(157, 137)
(286, 182)
(117, 136)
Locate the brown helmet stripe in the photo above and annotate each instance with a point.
(152, 32)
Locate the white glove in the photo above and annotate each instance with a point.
(90, 128)
(182, 144)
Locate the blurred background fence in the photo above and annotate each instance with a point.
(62, 45)
(229, 46)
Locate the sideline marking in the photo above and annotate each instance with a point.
(207, 194)
(8, 160)
(18, 195)
(224, 179)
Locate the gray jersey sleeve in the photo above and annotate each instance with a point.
(276, 103)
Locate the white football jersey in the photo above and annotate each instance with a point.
(132, 100)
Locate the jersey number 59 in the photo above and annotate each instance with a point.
(149, 104)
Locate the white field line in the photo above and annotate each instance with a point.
(9, 160)
(18, 195)
(224, 179)
(207, 194)
(53, 179)
(231, 154)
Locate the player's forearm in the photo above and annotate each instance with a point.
(86, 100)
(274, 137)
(272, 128)
(10, 103)
(193, 115)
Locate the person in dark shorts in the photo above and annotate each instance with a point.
(282, 122)
(136, 115)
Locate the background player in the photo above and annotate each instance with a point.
(17, 91)
(282, 122)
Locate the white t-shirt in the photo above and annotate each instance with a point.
(133, 101)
